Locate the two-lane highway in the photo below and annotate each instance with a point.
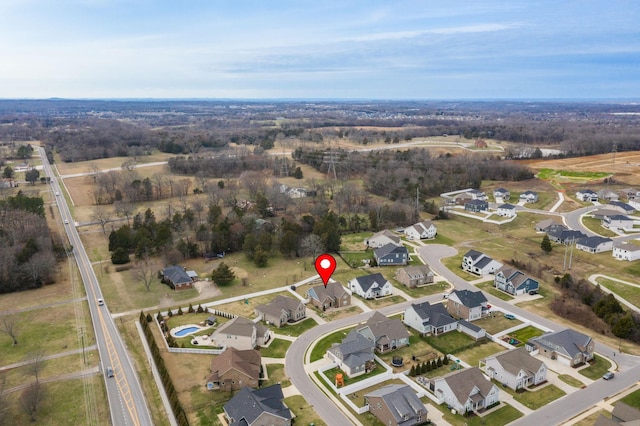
(127, 404)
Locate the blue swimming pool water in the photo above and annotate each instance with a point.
(186, 331)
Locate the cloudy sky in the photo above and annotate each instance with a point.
(364, 49)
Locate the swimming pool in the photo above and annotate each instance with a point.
(186, 331)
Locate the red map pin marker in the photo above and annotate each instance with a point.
(325, 265)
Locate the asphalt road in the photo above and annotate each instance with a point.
(127, 404)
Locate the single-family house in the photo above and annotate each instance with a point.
(512, 281)
(476, 194)
(626, 250)
(333, 295)
(623, 207)
(629, 194)
(370, 286)
(506, 210)
(515, 368)
(607, 194)
(568, 346)
(602, 213)
(396, 405)
(354, 355)
(479, 263)
(387, 333)
(421, 230)
(382, 238)
(476, 206)
(241, 333)
(234, 369)
(414, 276)
(466, 304)
(391, 255)
(258, 407)
(587, 195)
(529, 196)
(562, 236)
(618, 221)
(625, 414)
(176, 277)
(281, 310)
(466, 390)
(462, 199)
(502, 194)
(594, 244)
(426, 318)
(549, 225)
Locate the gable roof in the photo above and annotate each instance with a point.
(417, 271)
(367, 281)
(500, 191)
(566, 342)
(470, 298)
(518, 359)
(625, 412)
(463, 382)
(436, 315)
(355, 349)
(333, 290)
(382, 327)
(401, 401)
(566, 234)
(473, 254)
(176, 274)
(476, 203)
(249, 404)
(245, 361)
(386, 233)
(619, 217)
(628, 246)
(526, 193)
(594, 241)
(544, 224)
(622, 205)
(507, 207)
(238, 326)
(279, 304)
(390, 248)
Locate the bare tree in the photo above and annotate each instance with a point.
(101, 216)
(31, 398)
(9, 328)
(35, 363)
(40, 267)
(125, 209)
(198, 207)
(94, 171)
(145, 270)
(129, 165)
(254, 182)
(311, 245)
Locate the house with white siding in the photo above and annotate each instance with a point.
(515, 368)
(594, 244)
(479, 263)
(627, 250)
(506, 210)
(382, 238)
(587, 195)
(426, 318)
(370, 286)
(421, 230)
(466, 390)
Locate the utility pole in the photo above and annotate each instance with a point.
(571, 242)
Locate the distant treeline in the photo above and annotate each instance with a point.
(86, 130)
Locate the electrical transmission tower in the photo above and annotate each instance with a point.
(614, 149)
(284, 165)
(330, 159)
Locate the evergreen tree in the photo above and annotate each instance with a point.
(412, 372)
(223, 275)
(439, 364)
(545, 245)
(179, 311)
(120, 256)
(426, 367)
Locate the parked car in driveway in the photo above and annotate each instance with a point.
(509, 316)
(608, 375)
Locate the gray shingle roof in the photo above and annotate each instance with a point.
(518, 359)
(367, 281)
(463, 382)
(381, 327)
(473, 254)
(389, 249)
(278, 304)
(355, 349)
(593, 241)
(238, 326)
(469, 325)
(507, 206)
(435, 315)
(469, 298)
(249, 404)
(567, 341)
(401, 400)
(176, 274)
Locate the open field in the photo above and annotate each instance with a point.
(496, 324)
(625, 167)
(472, 356)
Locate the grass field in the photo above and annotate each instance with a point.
(450, 343)
(633, 399)
(496, 324)
(277, 349)
(526, 333)
(499, 417)
(629, 293)
(538, 398)
(472, 356)
(298, 328)
(489, 288)
(383, 301)
(303, 412)
(597, 369)
(334, 314)
(276, 375)
(570, 380)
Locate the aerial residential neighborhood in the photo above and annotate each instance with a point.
(204, 295)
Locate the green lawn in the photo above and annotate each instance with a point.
(356, 259)
(326, 342)
(450, 343)
(597, 369)
(595, 225)
(186, 318)
(331, 374)
(627, 292)
(418, 347)
(298, 328)
(496, 324)
(277, 349)
(426, 290)
(303, 412)
(570, 380)
(526, 333)
(501, 416)
(383, 301)
(489, 288)
(472, 356)
(538, 398)
(633, 399)
(276, 375)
